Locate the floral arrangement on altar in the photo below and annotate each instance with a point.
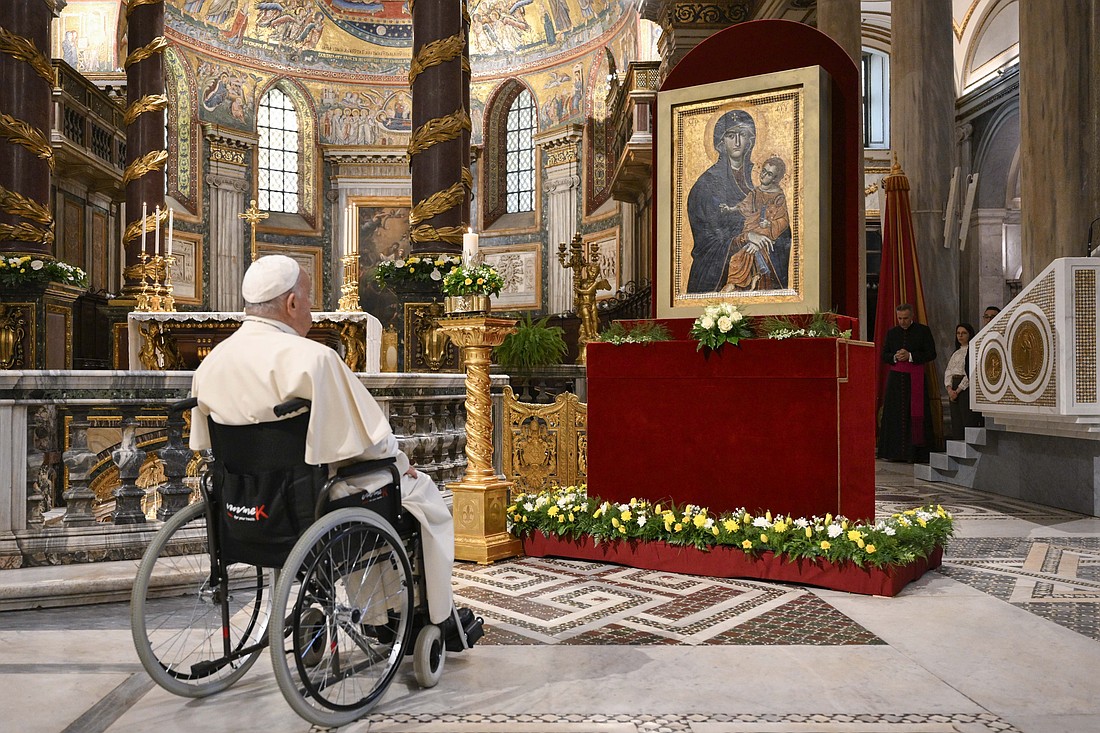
(721, 324)
(568, 511)
(471, 279)
(24, 271)
(414, 269)
(641, 332)
(821, 324)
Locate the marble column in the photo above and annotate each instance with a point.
(840, 20)
(1059, 105)
(25, 99)
(563, 188)
(922, 125)
(230, 181)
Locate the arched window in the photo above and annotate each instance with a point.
(509, 191)
(280, 150)
(520, 155)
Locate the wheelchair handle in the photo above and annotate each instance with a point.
(187, 404)
(292, 405)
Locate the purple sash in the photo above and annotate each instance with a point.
(916, 398)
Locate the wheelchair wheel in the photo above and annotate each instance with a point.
(346, 592)
(429, 655)
(176, 614)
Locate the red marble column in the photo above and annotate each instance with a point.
(145, 141)
(26, 225)
(440, 144)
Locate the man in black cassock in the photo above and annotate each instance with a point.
(905, 431)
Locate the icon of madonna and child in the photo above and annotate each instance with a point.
(739, 220)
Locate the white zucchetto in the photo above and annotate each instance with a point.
(268, 277)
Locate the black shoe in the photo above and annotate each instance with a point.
(473, 628)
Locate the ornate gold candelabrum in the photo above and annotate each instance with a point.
(143, 298)
(349, 291)
(155, 295)
(168, 301)
(587, 279)
(481, 497)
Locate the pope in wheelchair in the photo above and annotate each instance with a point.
(306, 479)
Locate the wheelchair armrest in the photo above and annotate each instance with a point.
(358, 469)
(292, 405)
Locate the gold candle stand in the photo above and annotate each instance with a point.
(481, 497)
(156, 284)
(349, 291)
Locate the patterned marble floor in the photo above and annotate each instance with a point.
(1001, 638)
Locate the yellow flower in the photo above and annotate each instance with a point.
(855, 535)
(768, 516)
(747, 519)
(677, 527)
(516, 517)
(780, 527)
(615, 522)
(413, 259)
(729, 525)
(700, 520)
(859, 543)
(747, 544)
(561, 519)
(920, 520)
(553, 511)
(626, 515)
(809, 533)
(825, 545)
(622, 529)
(870, 549)
(657, 509)
(571, 517)
(468, 281)
(481, 281)
(714, 530)
(439, 263)
(412, 269)
(764, 538)
(828, 519)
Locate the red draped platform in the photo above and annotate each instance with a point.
(786, 426)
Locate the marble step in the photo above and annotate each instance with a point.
(960, 449)
(927, 472)
(942, 462)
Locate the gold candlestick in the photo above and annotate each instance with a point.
(349, 291)
(587, 279)
(143, 295)
(168, 301)
(481, 496)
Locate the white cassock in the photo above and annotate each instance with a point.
(265, 363)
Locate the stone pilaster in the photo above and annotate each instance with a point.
(922, 125)
(230, 180)
(1059, 105)
(563, 186)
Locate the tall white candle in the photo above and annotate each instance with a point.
(156, 231)
(469, 246)
(144, 213)
(171, 218)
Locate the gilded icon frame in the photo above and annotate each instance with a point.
(789, 113)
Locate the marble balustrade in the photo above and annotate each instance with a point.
(77, 483)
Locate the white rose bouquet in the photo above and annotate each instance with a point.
(720, 324)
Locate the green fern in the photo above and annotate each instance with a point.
(534, 344)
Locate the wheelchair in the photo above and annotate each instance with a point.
(342, 578)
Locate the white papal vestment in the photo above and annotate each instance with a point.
(265, 363)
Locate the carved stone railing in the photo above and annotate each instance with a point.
(632, 105)
(91, 462)
(88, 130)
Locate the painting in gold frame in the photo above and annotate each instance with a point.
(742, 202)
(187, 267)
(308, 258)
(381, 232)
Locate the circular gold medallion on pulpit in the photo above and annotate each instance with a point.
(993, 366)
(1028, 352)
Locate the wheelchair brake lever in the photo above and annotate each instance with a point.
(292, 405)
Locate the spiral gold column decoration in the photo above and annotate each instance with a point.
(439, 147)
(481, 496)
(144, 174)
(26, 221)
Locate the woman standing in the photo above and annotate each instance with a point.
(957, 380)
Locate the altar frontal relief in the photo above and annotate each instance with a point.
(741, 219)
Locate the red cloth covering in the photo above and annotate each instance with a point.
(731, 562)
(786, 426)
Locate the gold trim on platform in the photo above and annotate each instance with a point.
(24, 49)
(22, 134)
(16, 204)
(155, 46)
(148, 103)
(151, 161)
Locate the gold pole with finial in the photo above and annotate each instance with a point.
(253, 216)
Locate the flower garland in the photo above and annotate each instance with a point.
(720, 324)
(414, 269)
(569, 511)
(25, 270)
(472, 280)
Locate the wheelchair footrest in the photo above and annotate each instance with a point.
(473, 628)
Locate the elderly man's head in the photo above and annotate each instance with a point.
(276, 287)
(905, 315)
